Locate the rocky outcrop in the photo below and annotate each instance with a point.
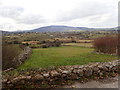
(64, 73)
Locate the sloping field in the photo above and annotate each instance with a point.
(61, 56)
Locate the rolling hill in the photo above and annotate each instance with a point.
(61, 28)
(58, 28)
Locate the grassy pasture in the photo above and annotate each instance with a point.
(62, 56)
(78, 44)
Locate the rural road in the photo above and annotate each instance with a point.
(106, 83)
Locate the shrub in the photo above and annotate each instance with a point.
(8, 53)
(22, 46)
(42, 42)
(16, 42)
(106, 44)
(55, 43)
(44, 46)
(118, 46)
(34, 46)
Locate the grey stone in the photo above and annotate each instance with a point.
(100, 73)
(79, 72)
(74, 76)
(46, 74)
(80, 67)
(95, 69)
(114, 68)
(4, 81)
(54, 73)
(60, 70)
(38, 77)
(103, 67)
(66, 72)
(88, 72)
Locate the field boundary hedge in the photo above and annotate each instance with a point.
(107, 44)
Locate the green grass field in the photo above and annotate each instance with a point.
(62, 56)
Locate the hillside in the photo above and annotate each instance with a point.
(59, 28)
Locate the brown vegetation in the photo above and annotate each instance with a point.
(8, 53)
(106, 44)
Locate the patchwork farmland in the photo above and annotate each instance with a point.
(42, 52)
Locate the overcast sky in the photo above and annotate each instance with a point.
(30, 14)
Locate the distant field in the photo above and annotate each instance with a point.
(82, 41)
(61, 56)
(78, 44)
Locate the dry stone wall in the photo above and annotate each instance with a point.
(43, 76)
(23, 56)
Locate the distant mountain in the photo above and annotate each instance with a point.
(55, 29)
(58, 28)
(5, 32)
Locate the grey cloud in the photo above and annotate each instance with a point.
(88, 9)
(31, 19)
(82, 11)
(10, 12)
(119, 13)
(15, 13)
(0, 3)
(110, 20)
